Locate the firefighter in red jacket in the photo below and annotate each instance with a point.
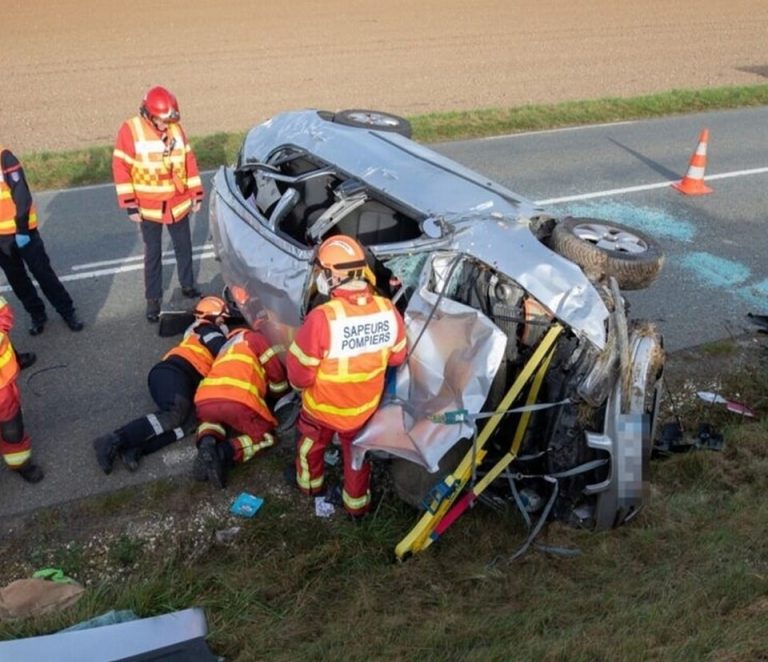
(231, 403)
(15, 444)
(158, 184)
(172, 383)
(338, 359)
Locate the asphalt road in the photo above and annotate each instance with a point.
(85, 384)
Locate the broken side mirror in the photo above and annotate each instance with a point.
(433, 227)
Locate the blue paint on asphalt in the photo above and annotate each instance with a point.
(651, 221)
(715, 271)
(756, 295)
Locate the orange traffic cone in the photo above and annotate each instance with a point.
(693, 182)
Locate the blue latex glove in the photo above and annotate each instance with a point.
(22, 240)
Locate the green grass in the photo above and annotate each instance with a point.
(688, 580)
(50, 170)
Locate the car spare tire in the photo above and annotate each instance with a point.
(374, 119)
(604, 248)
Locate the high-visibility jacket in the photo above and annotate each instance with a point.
(155, 173)
(246, 369)
(8, 210)
(193, 349)
(340, 355)
(9, 366)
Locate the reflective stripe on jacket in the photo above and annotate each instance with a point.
(240, 374)
(9, 366)
(340, 354)
(8, 206)
(192, 350)
(159, 178)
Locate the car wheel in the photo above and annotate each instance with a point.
(604, 249)
(374, 119)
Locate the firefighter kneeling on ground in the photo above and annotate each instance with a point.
(338, 360)
(172, 384)
(231, 403)
(15, 444)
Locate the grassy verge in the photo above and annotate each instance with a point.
(49, 170)
(688, 579)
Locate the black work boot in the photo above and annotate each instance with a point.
(153, 310)
(73, 321)
(38, 325)
(30, 472)
(25, 359)
(190, 292)
(199, 469)
(208, 451)
(107, 446)
(130, 458)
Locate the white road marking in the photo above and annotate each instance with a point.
(124, 268)
(135, 258)
(645, 187)
(559, 130)
(204, 251)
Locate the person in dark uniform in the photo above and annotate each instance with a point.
(22, 248)
(172, 383)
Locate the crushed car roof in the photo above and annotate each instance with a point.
(489, 221)
(413, 174)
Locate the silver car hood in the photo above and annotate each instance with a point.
(484, 219)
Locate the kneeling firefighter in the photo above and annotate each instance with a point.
(172, 383)
(232, 404)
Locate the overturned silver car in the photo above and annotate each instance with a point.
(525, 382)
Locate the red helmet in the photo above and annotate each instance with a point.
(161, 104)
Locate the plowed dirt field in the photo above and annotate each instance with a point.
(74, 69)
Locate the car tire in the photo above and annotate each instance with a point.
(374, 119)
(604, 248)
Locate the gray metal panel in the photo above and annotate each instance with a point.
(109, 643)
(557, 283)
(256, 258)
(452, 367)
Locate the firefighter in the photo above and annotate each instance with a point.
(22, 248)
(338, 359)
(15, 444)
(172, 384)
(231, 403)
(158, 184)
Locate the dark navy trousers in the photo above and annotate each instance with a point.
(15, 261)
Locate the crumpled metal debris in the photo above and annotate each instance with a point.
(672, 440)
